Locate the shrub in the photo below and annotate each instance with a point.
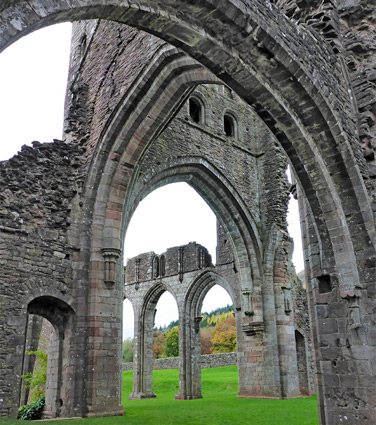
(33, 410)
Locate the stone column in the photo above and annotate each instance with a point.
(189, 358)
(285, 321)
(12, 348)
(143, 356)
(33, 330)
(104, 324)
(54, 375)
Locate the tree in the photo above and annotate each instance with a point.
(224, 336)
(128, 350)
(172, 342)
(159, 344)
(36, 380)
(206, 345)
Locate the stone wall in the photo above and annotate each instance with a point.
(207, 361)
(251, 159)
(309, 74)
(176, 260)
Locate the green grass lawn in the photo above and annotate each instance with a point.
(218, 407)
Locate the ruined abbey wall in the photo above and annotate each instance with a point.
(307, 69)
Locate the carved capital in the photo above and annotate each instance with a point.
(110, 256)
(197, 321)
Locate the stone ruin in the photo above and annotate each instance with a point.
(221, 95)
(188, 274)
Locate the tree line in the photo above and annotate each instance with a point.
(218, 335)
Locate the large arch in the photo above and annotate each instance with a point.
(240, 44)
(248, 28)
(222, 198)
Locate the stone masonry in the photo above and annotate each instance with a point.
(304, 72)
(207, 361)
(178, 270)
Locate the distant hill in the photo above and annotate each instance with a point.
(208, 319)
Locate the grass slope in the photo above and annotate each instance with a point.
(218, 407)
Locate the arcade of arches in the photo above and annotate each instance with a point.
(142, 113)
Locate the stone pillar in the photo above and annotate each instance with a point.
(189, 358)
(259, 373)
(12, 348)
(104, 324)
(302, 363)
(54, 375)
(285, 321)
(143, 355)
(34, 328)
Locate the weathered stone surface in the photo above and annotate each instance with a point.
(308, 75)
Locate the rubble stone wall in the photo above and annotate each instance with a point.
(207, 361)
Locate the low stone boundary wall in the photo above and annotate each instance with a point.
(207, 361)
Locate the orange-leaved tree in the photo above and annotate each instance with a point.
(224, 336)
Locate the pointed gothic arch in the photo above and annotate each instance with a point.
(314, 123)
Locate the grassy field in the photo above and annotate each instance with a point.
(218, 407)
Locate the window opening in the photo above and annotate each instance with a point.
(162, 265)
(155, 267)
(195, 110)
(229, 126)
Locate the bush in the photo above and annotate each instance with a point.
(33, 410)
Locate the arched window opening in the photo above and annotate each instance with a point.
(162, 265)
(195, 110)
(229, 125)
(155, 272)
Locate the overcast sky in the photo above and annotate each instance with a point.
(33, 75)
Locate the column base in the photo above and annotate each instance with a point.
(251, 394)
(179, 396)
(48, 414)
(119, 411)
(257, 394)
(140, 396)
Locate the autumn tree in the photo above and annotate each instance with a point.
(159, 345)
(206, 345)
(224, 336)
(172, 342)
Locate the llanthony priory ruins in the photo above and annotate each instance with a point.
(223, 95)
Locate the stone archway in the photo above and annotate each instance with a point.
(60, 315)
(190, 343)
(245, 45)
